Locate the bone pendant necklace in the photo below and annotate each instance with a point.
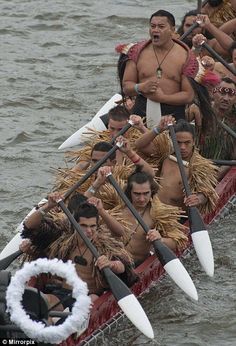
(81, 259)
(159, 69)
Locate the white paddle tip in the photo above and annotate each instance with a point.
(181, 277)
(134, 311)
(203, 248)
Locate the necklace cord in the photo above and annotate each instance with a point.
(159, 69)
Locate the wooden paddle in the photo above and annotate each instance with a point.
(226, 128)
(200, 236)
(218, 57)
(166, 256)
(125, 298)
(194, 25)
(98, 164)
(224, 162)
(199, 6)
(5, 262)
(213, 53)
(190, 29)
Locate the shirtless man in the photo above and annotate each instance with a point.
(171, 191)
(222, 40)
(128, 152)
(98, 151)
(224, 101)
(222, 70)
(161, 219)
(154, 69)
(188, 20)
(118, 118)
(68, 245)
(223, 105)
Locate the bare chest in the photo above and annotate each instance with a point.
(171, 176)
(148, 66)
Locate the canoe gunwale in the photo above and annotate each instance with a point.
(105, 308)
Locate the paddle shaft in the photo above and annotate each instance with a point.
(199, 6)
(5, 262)
(118, 288)
(78, 229)
(97, 165)
(122, 131)
(227, 128)
(206, 46)
(225, 162)
(218, 57)
(163, 253)
(121, 292)
(209, 49)
(192, 27)
(128, 203)
(195, 219)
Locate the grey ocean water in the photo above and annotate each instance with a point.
(57, 68)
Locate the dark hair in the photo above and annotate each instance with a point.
(180, 30)
(118, 113)
(75, 201)
(204, 104)
(232, 47)
(121, 64)
(228, 80)
(184, 126)
(104, 147)
(214, 3)
(163, 13)
(86, 210)
(139, 178)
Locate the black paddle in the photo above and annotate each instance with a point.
(166, 256)
(125, 298)
(200, 236)
(224, 162)
(218, 57)
(226, 128)
(98, 164)
(194, 25)
(199, 6)
(213, 53)
(5, 262)
(190, 29)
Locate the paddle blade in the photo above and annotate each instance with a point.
(179, 274)
(203, 248)
(5, 262)
(175, 268)
(201, 241)
(164, 254)
(129, 303)
(135, 313)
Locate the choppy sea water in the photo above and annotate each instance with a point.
(57, 68)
